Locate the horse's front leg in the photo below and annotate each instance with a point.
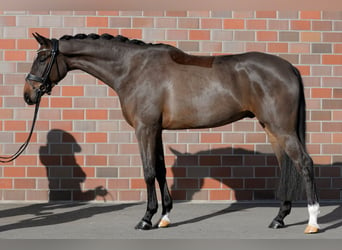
(146, 136)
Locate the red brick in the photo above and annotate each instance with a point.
(97, 21)
(199, 35)
(310, 14)
(337, 48)
(304, 70)
(95, 160)
(321, 92)
(42, 31)
(129, 149)
(278, 47)
(113, 32)
(322, 25)
(321, 159)
(36, 172)
(332, 59)
(94, 183)
(256, 24)
(267, 36)
(143, 22)
(321, 115)
(332, 104)
(73, 114)
(8, 21)
(211, 23)
(119, 184)
(332, 127)
(15, 55)
(7, 44)
(177, 34)
(24, 183)
(255, 137)
(255, 183)
(300, 25)
(320, 138)
(220, 194)
(96, 137)
(129, 195)
(187, 183)
(6, 183)
(132, 33)
(211, 138)
(242, 195)
(96, 114)
(61, 102)
(15, 125)
(210, 183)
(176, 13)
(337, 115)
(37, 195)
(266, 14)
(14, 172)
(234, 24)
(209, 160)
(138, 184)
(72, 90)
(310, 36)
(166, 22)
(14, 195)
(337, 138)
(26, 160)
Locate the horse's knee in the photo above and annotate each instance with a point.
(149, 176)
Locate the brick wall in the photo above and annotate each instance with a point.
(82, 148)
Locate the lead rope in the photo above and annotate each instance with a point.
(7, 159)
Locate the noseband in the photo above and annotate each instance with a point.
(46, 84)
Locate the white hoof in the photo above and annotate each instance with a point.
(164, 221)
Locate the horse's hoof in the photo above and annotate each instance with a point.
(164, 221)
(276, 224)
(311, 229)
(143, 225)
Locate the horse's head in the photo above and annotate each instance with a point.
(47, 70)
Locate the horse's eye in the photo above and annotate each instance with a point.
(42, 58)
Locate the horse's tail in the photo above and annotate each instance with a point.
(291, 181)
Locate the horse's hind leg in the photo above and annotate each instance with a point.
(286, 202)
(296, 151)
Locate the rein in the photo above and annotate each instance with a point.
(45, 87)
(7, 159)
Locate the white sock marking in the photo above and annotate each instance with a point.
(166, 217)
(313, 214)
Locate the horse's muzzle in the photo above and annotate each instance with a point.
(28, 99)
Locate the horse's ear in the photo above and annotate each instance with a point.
(175, 152)
(40, 39)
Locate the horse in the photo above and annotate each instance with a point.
(160, 87)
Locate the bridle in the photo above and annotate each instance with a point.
(45, 87)
(46, 84)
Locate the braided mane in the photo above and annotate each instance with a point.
(118, 38)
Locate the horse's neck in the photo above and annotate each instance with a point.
(94, 59)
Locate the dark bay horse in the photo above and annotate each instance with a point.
(160, 87)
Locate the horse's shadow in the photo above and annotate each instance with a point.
(53, 214)
(232, 169)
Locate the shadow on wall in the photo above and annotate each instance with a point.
(241, 175)
(65, 176)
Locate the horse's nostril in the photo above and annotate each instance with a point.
(28, 99)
